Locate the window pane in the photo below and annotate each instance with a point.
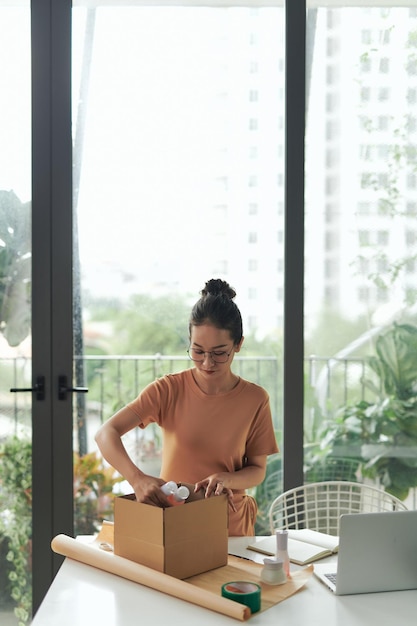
(178, 130)
(15, 336)
(361, 243)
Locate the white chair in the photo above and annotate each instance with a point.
(318, 506)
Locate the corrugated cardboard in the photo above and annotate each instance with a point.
(181, 541)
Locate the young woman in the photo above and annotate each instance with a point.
(217, 428)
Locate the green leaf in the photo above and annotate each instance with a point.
(397, 352)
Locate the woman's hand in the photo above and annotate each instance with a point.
(214, 485)
(148, 490)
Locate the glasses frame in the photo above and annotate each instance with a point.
(210, 353)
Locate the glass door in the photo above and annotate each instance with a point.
(36, 477)
(15, 313)
(178, 178)
(361, 245)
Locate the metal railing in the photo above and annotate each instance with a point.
(114, 380)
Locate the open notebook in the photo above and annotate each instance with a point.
(304, 546)
(377, 552)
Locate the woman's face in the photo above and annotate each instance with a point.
(212, 350)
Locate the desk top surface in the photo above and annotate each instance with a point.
(81, 595)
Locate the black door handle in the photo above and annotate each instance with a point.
(38, 388)
(63, 388)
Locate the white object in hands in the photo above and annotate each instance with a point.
(175, 494)
(181, 494)
(169, 488)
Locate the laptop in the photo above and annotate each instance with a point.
(377, 552)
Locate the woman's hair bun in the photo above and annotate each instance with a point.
(217, 308)
(218, 287)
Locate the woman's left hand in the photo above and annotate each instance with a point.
(214, 486)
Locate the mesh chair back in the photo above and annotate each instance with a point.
(318, 506)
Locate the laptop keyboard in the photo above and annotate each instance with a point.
(331, 577)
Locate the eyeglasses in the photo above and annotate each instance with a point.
(217, 356)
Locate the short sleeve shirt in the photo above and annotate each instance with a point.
(204, 434)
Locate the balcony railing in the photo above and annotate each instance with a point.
(114, 380)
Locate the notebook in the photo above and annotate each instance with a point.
(304, 545)
(377, 552)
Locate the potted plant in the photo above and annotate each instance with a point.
(384, 432)
(16, 523)
(93, 492)
(93, 502)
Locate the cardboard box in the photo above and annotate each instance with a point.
(181, 541)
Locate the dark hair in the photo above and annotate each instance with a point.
(216, 307)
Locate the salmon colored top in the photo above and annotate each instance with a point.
(204, 434)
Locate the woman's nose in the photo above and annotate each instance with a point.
(208, 358)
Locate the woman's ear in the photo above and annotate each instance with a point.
(239, 345)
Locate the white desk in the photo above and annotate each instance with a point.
(82, 595)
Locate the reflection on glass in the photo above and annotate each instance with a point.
(360, 255)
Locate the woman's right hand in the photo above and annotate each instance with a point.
(148, 490)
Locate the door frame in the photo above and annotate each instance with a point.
(52, 461)
(52, 272)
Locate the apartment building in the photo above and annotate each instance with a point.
(360, 165)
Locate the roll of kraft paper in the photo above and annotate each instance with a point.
(113, 564)
(246, 593)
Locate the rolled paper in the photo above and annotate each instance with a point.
(109, 562)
